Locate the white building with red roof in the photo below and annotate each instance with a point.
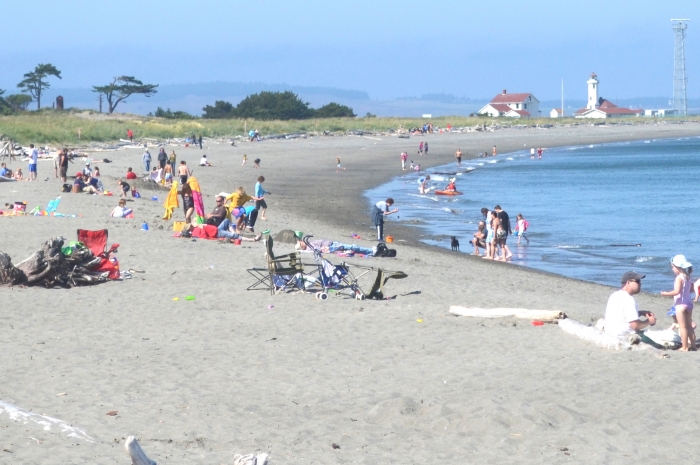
(598, 107)
(512, 105)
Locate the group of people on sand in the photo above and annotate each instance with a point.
(493, 231)
(623, 317)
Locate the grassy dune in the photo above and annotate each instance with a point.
(48, 126)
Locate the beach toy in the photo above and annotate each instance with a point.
(299, 234)
(237, 241)
(189, 297)
(176, 298)
(537, 323)
(270, 306)
(419, 321)
(267, 231)
(144, 227)
(154, 198)
(390, 239)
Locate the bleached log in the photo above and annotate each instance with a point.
(546, 316)
(260, 458)
(138, 456)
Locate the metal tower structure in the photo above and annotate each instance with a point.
(679, 79)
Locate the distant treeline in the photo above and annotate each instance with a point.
(269, 106)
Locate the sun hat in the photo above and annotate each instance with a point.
(631, 276)
(679, 261)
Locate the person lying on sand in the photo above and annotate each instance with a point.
(326, 246)
(223, 231)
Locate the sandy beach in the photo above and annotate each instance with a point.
(236, 371)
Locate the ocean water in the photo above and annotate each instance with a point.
(595, 211)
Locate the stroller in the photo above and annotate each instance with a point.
(344, 278)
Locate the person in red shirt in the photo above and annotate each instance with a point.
(130, 135)
(130, 174)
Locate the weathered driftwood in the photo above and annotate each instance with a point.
(51, 268)
(138, 456)
(546, 316)
(9, 274)
(251, 459)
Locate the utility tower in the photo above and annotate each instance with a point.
(679, 79)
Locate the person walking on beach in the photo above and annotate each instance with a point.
(520, 227)
(420, 148)
(130, 135)
(146, 158)
(245, 159)
(337, 166)
(260, 204)
(63, 164)
(458, 156)
(683, 302)
(379, 211)
(200, 142)
(173, 161)
(404, 157)
(621, 312)
(184, 172)
(162, 158)
(425, 148)
(33, 160)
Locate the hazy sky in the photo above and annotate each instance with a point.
(387, 48)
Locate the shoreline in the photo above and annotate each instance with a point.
(235, 371)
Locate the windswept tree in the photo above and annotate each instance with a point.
(19, 101)
(123, 87)
(220, 110)
(34, 81)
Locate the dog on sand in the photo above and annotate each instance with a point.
(455, 244)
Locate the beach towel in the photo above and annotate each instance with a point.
(205, 232)
(171, 202)
(198, 217)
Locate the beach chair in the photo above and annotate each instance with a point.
(285, 272)
(96, 241)
(53, 205)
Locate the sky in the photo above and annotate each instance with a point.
(387, 48)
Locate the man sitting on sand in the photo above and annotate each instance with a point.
(5, 172)
(621, 313)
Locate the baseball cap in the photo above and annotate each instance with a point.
(631, 276)
(680, 262)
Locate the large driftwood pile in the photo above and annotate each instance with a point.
(49, 267)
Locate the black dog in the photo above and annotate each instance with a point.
(455, 244)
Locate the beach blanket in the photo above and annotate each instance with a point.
(198, 202)
(171, 202)
(207, 231)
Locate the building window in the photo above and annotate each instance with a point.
(524, 106)
(517, 106)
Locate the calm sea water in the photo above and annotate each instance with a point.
(588, 207)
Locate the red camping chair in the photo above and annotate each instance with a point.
(96, 241)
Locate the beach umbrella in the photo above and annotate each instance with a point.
(198, 203)
(171, 202)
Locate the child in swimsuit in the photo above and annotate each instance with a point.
(683, 302)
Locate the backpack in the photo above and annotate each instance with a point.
(384, 251)
(66, 188)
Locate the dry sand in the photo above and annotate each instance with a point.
(198, 381)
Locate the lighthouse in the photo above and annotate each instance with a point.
(592, 92)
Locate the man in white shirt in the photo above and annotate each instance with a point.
(621, 313)
(33, 160)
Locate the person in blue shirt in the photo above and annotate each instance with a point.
(5, 172)
(260, 192)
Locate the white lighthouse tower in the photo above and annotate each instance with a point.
(592, 92)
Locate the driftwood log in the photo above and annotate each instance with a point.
(49, 267)
(139, 457)
(546, 316)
